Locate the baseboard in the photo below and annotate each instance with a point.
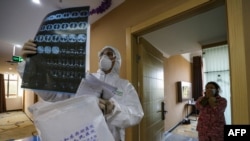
(14, 110)
(171, 129)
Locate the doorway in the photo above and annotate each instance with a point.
(139, 30)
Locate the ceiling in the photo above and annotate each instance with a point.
(20, 20)
(20, 23)
(187, 37)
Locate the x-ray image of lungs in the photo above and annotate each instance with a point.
(47, 49)
(81, 38)
(49, 27)
(64, 38)
(82, 25)
(59, 64)
(55, 38)
(56, 26)
(38, 38)
(73, 25)
(68, 15)
(47, 38)
(64, 26)
(72, 38)
(55, 50)
(40, 49)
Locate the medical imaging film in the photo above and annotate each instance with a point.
(59, 64)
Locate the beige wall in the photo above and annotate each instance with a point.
(176, 69)
(28, 101)
(111, 29)
(14, 103)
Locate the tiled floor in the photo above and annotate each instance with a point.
(183, 132)
(177, 137)
(15, 125)
(187, 129)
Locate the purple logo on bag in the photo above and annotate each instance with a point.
(87, 133)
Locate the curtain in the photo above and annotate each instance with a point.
(197, 85)
(2, 95)
(216, 68)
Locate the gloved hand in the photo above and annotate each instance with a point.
(106, 106)
(29, 48)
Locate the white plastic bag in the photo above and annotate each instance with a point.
(75, 119)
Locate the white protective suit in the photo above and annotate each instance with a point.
(127, 111)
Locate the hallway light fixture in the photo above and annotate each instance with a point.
(36, 1)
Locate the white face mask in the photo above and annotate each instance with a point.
(105, 63)
(214, 91)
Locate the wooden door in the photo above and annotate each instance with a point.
(151, 89)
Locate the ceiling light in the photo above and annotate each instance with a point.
(18, 46)
(36, 1)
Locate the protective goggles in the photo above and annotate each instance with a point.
(109, 53)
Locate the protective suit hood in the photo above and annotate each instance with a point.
(117, 65)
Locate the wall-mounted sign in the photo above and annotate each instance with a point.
(17, 59)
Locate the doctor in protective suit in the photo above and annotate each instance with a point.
(122, 110)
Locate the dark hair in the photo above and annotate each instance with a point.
(217, 87)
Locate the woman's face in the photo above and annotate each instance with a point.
(210, 90)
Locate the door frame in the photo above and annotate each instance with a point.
(169, 17)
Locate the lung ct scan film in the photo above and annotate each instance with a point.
(59, 64)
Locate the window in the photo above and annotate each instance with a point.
(11, 85)
(216, 68)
